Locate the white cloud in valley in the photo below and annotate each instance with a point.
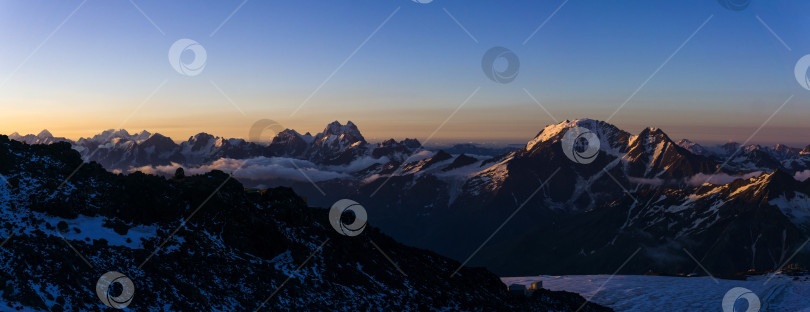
(268, 168)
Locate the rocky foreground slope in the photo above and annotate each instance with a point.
(216, 247)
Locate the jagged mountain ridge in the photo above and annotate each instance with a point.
(119, 150)
(449, 203)
(243, 246)
(341, 144)
(632, 173)
(754, 157)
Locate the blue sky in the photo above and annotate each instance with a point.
(99, 68)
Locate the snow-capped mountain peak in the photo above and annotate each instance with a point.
(337, 144)
(348, 131)
(612, 139)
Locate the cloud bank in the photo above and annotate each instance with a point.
(802, 175)
(268, 168)
(720, 178)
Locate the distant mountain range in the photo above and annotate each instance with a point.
(118, 149)
(733, 207)
(342, 144)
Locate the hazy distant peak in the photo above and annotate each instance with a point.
(143, 135)
(409, 143)
(693, 147)
(110, 134)
(389, 142)
(412, 143)
(155, 135)
(45, 134)
(686, 143)
(201, 136)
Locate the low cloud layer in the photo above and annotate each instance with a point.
(698, 179)
(802, 175)
(720, 178)
(272, 168)
(653, 181)
(262, 169)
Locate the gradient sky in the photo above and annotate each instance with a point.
(98, 70)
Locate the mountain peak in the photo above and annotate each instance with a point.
(775, 183)
(158, 139)
(441, 155)
(202, 136)
(653, 131)
(389, 142)
(200, 139)
(110, 134)
(612, 138)
(693, 147)
(411, 143)
(45, 134)
(155, 135)
(554, 130)
(753, 147)
(460, 161)
(653, 136)
(336, 125)
(349, 130)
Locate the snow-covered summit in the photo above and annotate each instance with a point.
(612, 139)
